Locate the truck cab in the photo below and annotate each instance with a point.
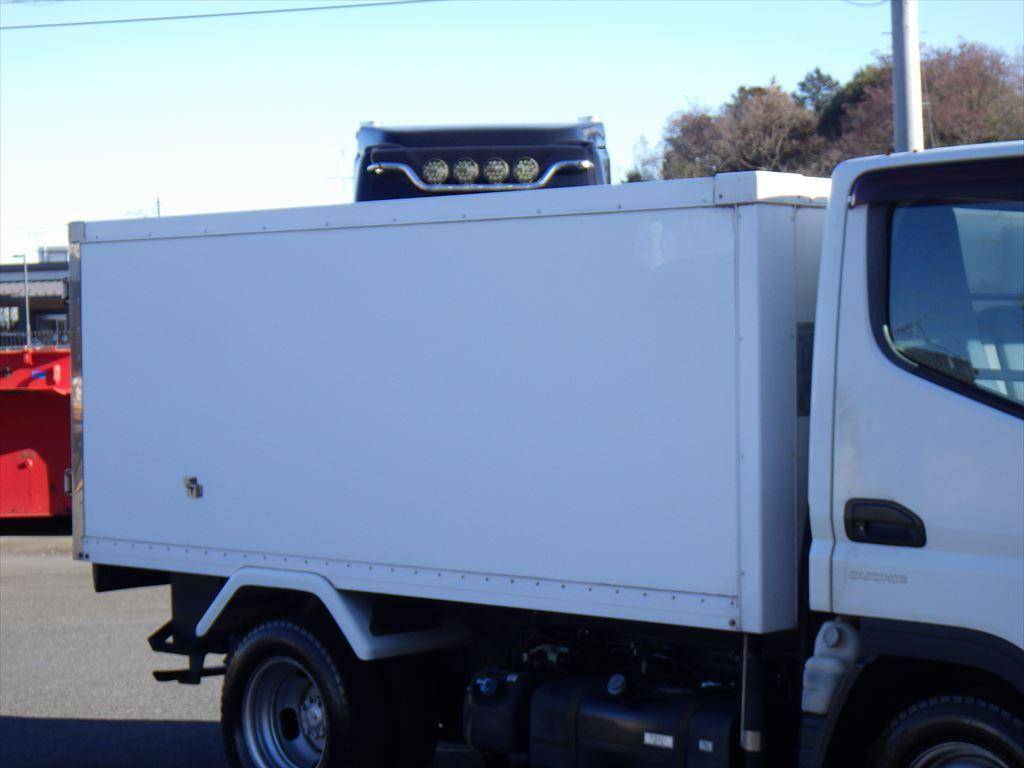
(916, 461)
(396, 162)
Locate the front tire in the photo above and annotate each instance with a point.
(289, 702)
(951, 732)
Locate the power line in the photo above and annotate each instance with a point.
(347, 6)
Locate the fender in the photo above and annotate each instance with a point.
(909, 640)
(351, 611)
(954, 645)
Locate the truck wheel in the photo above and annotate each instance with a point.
(288, 702)
(951, 732)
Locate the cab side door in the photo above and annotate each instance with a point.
(928, 463)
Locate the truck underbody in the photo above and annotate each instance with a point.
(592, 687)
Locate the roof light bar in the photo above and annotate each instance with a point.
(420, 184)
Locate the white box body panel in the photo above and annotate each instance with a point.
(578, 400)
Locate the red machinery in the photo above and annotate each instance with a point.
(35, 432)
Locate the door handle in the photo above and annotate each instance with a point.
(873, 521)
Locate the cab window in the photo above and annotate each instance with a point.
(956, 292)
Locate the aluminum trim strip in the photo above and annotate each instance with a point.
(676, 608)
(556, 202)
(76, 400)
(462, 218)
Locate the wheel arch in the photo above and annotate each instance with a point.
(901, 663)
(350, 612)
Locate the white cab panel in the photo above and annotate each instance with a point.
(956, 463)
(881, 432)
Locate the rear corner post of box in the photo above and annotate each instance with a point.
(76, 232)
(76, 236)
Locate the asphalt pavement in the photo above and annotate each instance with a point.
(76, 683)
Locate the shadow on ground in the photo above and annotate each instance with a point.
(31, 742)
(43, 742)
(43, 526)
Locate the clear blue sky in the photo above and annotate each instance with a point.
(260, 111)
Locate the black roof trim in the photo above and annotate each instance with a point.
(981, 179)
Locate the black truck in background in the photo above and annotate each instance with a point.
(398, 162)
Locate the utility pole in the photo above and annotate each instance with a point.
(907, 115)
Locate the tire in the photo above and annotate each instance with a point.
(289, 702)
(951, 732)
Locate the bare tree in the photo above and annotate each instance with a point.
(973, 94)
(764, 129)
(690, 142)
(646, 162)
(760, 128)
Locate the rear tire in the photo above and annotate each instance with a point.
(951, 732)
(289, 702)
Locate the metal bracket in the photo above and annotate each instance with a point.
(162, 641)
(752, 700)
(836, 648)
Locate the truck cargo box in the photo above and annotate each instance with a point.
(580, 400)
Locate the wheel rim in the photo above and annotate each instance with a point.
(957, 755)
(284, 720)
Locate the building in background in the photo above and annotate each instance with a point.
(47, 300)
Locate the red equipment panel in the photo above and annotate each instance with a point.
(35, 432)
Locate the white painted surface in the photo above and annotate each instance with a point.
(351, 611)
(957, 463)
(881, 432)
(766, 404)
(741, 188)
(533, 409)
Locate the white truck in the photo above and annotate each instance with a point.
(555, 474)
